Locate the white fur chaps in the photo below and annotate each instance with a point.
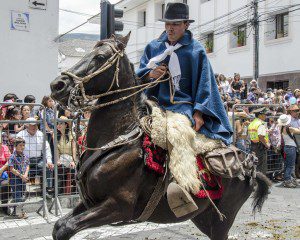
(174, 132)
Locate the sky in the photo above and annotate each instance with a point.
(68, 20)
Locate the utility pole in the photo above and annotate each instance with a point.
(255, 24)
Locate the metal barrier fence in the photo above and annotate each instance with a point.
(52, 159)
(47, 169)
(274, 158)
(65, 158)
(25, 167)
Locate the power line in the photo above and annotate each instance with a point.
(279, 9)
(220, 17)
(75, 12)
(272, 17)
(236, 19)
(78, 26)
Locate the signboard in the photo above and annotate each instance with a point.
(38, 4)
(19, 21)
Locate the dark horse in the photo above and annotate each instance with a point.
(118, 183)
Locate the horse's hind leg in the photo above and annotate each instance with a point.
(210, 224)
(235, 195)
(80, 208)
(107, 212)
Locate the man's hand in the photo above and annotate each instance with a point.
(198, 120)
(50, 166)
(157, 72)
(72, 165)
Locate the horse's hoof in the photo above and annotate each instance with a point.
(62, 234)
(61, 231)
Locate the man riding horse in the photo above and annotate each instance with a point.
(195, 93)
(114, 183)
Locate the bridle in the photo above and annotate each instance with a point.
(78, 94)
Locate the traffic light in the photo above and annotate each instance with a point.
(109, 25)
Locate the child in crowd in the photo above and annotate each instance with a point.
(49, 104)
(19, 167)
(15, 114)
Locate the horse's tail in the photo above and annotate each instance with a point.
(261, 192)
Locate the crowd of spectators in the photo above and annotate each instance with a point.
(274, 136)
(21, 140)
(21, 149)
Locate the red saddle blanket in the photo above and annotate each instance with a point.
(155, 158)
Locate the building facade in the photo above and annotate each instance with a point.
(29, 53)
(224, 28)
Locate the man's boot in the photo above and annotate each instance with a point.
(180, 201)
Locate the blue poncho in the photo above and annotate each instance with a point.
(197, 85)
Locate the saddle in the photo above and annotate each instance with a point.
(219, 159)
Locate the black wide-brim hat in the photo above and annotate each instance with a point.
(176, 12)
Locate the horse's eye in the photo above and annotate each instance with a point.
(100, 57)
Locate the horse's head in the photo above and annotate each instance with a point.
(104, 69)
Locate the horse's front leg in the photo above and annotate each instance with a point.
(105, 213)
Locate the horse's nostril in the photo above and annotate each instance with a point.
(60, 85)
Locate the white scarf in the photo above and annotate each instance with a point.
(174, 65)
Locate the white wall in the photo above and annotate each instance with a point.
(28, 60)
(276, 57)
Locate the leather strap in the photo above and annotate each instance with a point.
(90, 161)
(87, 164)
(153, 201)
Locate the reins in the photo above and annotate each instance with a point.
(114, 59)
(85, 99)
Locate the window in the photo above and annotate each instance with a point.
(209, 42)
(163, 8)
(277, 26)
(184, 1)
(159, 10)
(282, 25)
(142, 17)
(278, 85)
(239, 36)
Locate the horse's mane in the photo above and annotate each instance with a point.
(140, 98)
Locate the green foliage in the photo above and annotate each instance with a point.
(241, 37)
(209, 45)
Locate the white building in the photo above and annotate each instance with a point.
(224, 28)
(28, 60)
(72, 51)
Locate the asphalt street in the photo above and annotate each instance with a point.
(280, 219)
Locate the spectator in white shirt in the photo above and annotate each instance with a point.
(34, 148)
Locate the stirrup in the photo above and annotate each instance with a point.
(180, 201)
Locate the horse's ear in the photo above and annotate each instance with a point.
(123, 40)
(113, 37)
